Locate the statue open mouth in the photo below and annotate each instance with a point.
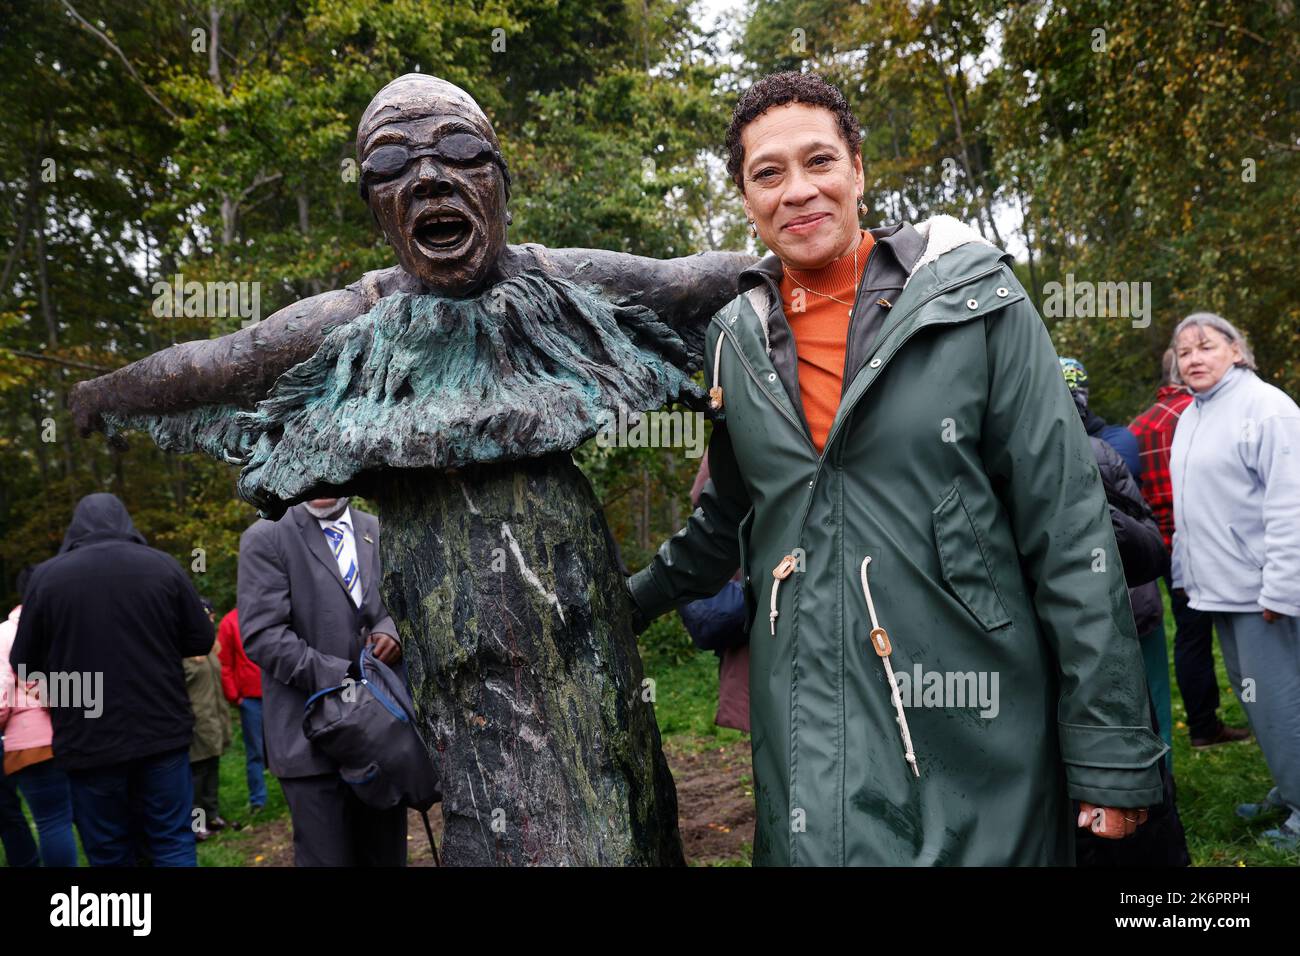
(438, 233)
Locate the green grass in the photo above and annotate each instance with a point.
(231, 848)
(686, 686)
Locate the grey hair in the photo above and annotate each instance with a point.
(1168, 363)
(1221, 325)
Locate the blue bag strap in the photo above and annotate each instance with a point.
(380, 696)
(321, 693)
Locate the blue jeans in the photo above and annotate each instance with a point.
(46, 790)
(15, 834)
(250, 719)
(135, 811)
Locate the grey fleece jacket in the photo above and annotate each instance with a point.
(1235, 464)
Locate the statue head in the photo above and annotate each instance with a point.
(433, 175)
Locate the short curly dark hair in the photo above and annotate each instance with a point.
(778, 89)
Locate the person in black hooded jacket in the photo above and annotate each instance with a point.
(107, 622)
(1141, 547)
(1161, 841)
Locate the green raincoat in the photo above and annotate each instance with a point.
(957, 463)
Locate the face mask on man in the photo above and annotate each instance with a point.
(329, 512)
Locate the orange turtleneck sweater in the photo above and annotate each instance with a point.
(821, 329)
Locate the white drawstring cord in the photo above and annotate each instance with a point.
(779, 574)
(772, 617)
(880, 643)
(715, 393)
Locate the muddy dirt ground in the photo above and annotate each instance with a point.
(714, 800)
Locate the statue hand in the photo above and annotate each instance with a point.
(240, 451)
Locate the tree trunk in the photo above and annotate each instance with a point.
(1029, 243)
(47, 306)
(518, 640)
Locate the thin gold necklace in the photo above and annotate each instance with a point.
(857, 283)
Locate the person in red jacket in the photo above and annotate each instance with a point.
(241, 681)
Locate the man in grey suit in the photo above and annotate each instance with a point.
(308, 602)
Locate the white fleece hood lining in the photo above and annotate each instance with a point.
(942, 234)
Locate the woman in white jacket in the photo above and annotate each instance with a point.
(1235, 465)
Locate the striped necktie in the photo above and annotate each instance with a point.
(334, 534)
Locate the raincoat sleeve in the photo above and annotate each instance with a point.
(698, 560)
(1038, 456)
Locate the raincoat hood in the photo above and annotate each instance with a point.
(99, 517)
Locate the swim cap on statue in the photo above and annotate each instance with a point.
(415, 95)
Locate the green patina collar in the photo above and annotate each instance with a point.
(529, 368)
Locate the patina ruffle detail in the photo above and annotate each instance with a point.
(531, 367)
(214, 429)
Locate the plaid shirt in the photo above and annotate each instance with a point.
(1154, 430)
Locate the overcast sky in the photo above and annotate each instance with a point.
(726, 14)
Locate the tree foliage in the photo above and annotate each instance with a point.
(215, 140)
(1134, 141)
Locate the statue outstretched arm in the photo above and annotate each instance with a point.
(235, 370)
(206, 381)
(684, 292)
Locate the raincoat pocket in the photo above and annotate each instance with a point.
(965, 567)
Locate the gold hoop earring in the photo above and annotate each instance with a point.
(862, 206)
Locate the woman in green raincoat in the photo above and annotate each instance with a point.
(945, 656)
